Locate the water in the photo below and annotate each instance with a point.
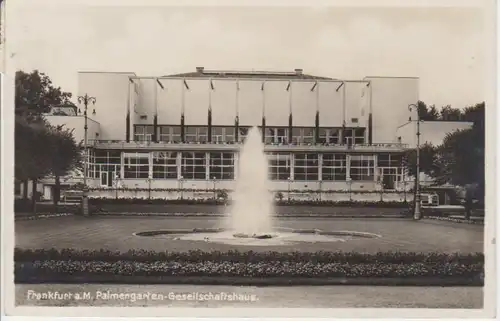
(251, 212)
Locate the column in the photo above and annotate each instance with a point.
(320, 166)
(207, 166)
(348, 166)
(179, 165)
(292, 166)
(236, 165)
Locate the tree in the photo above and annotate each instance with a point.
(34, 139)
(427, 160)
(36, 94)
(428, 113)
(31, 156)
(65, 156)
(451, 114)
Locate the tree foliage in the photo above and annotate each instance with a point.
(459, 160)
(36, 94)
(41, 149)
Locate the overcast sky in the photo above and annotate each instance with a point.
(445, 47)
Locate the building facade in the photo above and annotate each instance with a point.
(185, 130)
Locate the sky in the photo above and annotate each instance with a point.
(445, 47)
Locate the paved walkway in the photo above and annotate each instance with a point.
(260, 297)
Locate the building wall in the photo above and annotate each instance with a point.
(250, 102)
(432, 132)
(390, 98)
(112, 100)
(77, 123)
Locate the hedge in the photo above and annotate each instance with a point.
(235, 256)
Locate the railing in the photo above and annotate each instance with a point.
(229, 144)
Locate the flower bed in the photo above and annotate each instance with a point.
(261, 269)
(37, 217)
(456, 220)
(26, 255)
(234, 267)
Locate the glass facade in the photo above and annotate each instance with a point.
(221, 166)
(273, 135)
(382, 168)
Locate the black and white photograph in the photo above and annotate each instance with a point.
(248, 158)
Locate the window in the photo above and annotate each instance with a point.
(217, 135)
(359, 136)
(334, 167)
(221, 166)
(243, 133)
(282, 136)
(170, 134)
(222, 135)
(348, 136)
(143, 133)
(296, 135)
(193, 165)
(362, 167)
(308, 135)
(103, 161)
(196, 134)
(390, 169)
(270, 137)
(303, 135)
(334, 136)
(306, 167)
(136, 165)
(279, 166)
(165, 165)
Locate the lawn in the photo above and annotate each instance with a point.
(116, 233)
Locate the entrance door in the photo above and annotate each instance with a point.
(104, 178)
(111, 176)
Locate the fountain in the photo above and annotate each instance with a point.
(250, 218)
(251, 212)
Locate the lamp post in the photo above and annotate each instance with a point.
(85, 100)
(214, 181)
(349, 184)
(181, 187)
(289, 181)
(417, 215)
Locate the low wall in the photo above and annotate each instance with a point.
(357, 196)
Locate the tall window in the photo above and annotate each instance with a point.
(279, 166)
(136, 165)
(193, 165)
(390, 169)
(170, 134)
(221, 166)
(165, 165)
(306, 167)
(103, 161)
(143, 133)
(334, 167)
(362, 167)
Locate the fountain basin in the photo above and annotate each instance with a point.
(280, 236)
